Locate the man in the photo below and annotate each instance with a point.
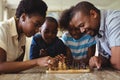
(105, 26)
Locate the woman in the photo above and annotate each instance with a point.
(29, 17)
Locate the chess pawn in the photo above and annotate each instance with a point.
(49, 69)
(60, 65)
(64, 66)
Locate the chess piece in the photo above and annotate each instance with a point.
(60, 65)
(64, 66)
(49, 69)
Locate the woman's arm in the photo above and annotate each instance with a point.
(9, 67)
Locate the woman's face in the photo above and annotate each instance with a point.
(31, 25)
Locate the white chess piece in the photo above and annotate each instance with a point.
(60, 65)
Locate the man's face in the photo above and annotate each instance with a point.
(86, 23)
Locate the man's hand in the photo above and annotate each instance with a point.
(95, 62)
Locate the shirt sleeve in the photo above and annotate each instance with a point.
(3, 39)
(34, 49)
(61, 47)
(114, 31)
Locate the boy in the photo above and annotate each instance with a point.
(47, 43)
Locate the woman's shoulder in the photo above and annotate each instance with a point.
(5, 25)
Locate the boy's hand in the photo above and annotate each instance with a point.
(60, 57)
(95, 62)
(43, 52)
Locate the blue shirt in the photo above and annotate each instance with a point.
(79, 47)
(110, 31)
(56, 48)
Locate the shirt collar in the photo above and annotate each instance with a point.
(13, 29)
(102, 20)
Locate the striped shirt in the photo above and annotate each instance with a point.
(79, 47)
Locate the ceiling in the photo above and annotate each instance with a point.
(58, 5)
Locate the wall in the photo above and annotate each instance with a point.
(1, 10)
(56, 6)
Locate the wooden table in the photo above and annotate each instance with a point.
(39, 74)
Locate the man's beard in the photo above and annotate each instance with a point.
(96, 32)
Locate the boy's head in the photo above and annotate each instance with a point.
(64, 24)
(75, 32)
(31, 15)
(49, 30)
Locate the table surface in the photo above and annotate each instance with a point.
(38, 73)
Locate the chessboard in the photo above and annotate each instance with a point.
(62, 68)
(69, 71)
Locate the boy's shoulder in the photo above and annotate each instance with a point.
(87, 36)
(58, 41)
(37, 36)
(66, 34)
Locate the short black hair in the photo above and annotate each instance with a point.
(65, 18)
(30, 7)
(51, 19)
(84, 7)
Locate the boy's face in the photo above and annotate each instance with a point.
(31, 25)
(74, 32)
(48, 31)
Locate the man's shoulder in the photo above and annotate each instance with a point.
(111, 13)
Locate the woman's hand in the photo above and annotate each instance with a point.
(44, 61)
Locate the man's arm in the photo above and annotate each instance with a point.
(115, 57)
(91, 51)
